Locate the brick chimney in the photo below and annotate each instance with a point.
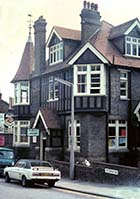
(90, 20)
(40, 48)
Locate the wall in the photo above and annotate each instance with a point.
(96, 173)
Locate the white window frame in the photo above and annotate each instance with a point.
(117, 124)
(20, 88)
(124, 80)
(18, 125)
(132, 42)
(52, 89)
(76, 135)
(56, 53)
(101, 84)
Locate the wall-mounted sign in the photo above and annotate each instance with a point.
(2, 140)
(33, 132)
(111, 171)
(1, 122)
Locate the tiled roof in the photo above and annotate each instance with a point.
(26, 64)
(4, 106)
(120, 29)
(51, 118)
(67, 33)
(101, 42)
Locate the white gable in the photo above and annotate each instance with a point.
(83, 49)
(51, 34)
(136, 23)
(39, 114)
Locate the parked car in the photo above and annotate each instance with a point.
(29, 172)
(6, 158)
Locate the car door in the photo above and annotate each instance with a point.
(14, 170)
(20, 170)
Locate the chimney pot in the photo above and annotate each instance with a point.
(85, 4)
(88, 5)
(92, 6)
(96, 6)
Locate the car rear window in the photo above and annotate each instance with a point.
(38, 163)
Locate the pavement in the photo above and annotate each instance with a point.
(98, 189)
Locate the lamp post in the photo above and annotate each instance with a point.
(69, 84)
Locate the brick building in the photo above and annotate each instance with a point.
(103, 63)
(6, 123)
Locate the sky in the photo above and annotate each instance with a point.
(65, 13)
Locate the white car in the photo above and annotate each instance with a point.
(29, 172)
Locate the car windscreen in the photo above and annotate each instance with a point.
(40, 163)
(6, 154)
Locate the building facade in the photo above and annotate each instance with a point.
(6, 123)
(102, 62)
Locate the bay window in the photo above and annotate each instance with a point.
(89, 79)
(22, 92)
(20, 132)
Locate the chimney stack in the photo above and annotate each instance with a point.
(90, 20)
(40, 47)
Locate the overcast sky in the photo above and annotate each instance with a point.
(65, 13)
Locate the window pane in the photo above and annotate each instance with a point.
(112, 131)
(134, 49)
(112, 142)
(122, 131)
(128, 50)
(122, 141)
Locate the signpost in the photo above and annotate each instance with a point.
(72, 155)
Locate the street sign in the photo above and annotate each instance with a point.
(33, 132)
(111, 171)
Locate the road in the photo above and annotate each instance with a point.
(14, 190)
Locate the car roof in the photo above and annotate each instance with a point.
(32, 160)
(5, 149)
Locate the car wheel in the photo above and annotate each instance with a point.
(51, 184)
(24, 181)
(7, 179)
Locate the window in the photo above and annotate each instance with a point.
(20, 132)
(132, 46)
(123, 84)
(53, 89)
(117, 134)
(22, 92)
(76, 134)
(56, 139)
(89, 79)
(56, 53)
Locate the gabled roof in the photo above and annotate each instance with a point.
(49, 118)
(121, 29)
(4, 106)
(103, 47)
(65, 33)
(108, 50)
(26, 64)
(92, 48)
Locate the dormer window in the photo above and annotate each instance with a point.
(56, 53)
(132, 46)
